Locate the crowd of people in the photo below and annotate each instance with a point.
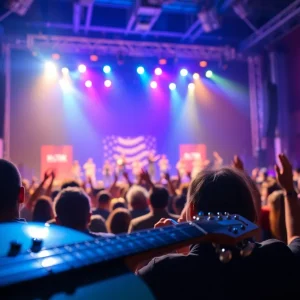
(263, 197)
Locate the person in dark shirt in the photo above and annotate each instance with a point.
(73, 209)
(104, 199)
(12, 193)
(159, 198)
(270, 272)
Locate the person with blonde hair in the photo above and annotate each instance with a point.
(137, 197)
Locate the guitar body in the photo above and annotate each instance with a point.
(127, 286)
(124, 286)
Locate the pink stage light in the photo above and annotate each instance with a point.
(158, 71)
(153, 84)
(82, 68)
(107, 83)
(88, 84)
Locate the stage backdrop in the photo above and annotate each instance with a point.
(191, 152)
(134, 148)
(57, 158)
(216, 114)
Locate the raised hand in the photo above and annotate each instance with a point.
(167, 176)
(125, 174)
(164, 222)
(47, 174)
(238, 163)
(284, 176)
(116, 177)
(255, 173)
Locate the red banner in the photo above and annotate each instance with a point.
(57, 158)
(190, 153)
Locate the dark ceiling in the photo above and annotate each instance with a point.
(110, 18)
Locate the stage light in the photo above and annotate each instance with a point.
(65, 70)
(50, 69)
(172, 86)
(183, 72)
(191, 86)
(107, 83)
(82, 68)
(162, 61)
(153, 84)
(88, 84)
(140, 70)
(196, 76)
(65, 84)
(158, 71)
(209, 74)
(55, 56)
(94, 57)
(203, 64)
(106, 69)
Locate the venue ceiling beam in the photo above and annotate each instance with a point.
(280, 25)
(71, 44)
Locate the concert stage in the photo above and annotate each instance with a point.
(100, 121)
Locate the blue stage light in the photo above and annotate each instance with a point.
(172, 86)
(140, 70)
(209, 74)
(183, 72)
(106, 69)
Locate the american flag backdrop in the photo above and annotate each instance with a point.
(134, 148)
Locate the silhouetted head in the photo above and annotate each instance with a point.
(12, 194)
(118, 221)
(43, 211)
(159, 197)
(72, 208)
(70, 183)
(223, 190)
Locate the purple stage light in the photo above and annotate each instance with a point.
(107, 83)
(153, 84)
(88, 84)
(82, 68)
(158, 71)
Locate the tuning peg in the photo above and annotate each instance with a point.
(236, 217)
(200, 213)
(226, 214)
(219, 214)
(210, 216)
(225, 256)
(248, 249)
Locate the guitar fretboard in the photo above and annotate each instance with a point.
(30, 265)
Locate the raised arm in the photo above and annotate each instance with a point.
(49, 189)
(114, 184)
(171, 189)
(38, 191)
(292, 210)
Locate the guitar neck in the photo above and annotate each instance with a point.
(93, 256)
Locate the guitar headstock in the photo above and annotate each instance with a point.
(228, 230)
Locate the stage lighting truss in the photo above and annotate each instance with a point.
(75, 44)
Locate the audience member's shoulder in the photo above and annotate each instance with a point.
(295, 246)
(158, 264)
(273, 247)
(141, 219)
